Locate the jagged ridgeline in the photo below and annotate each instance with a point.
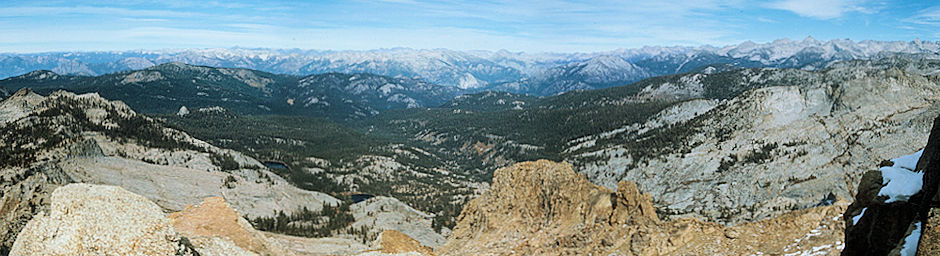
(58, 122)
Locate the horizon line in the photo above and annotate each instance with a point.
(236, 47)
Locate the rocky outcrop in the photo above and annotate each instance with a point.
(27, 195)
(19, 105)
(545, 208)
(396, 242)
(214, 219)
(101, 220)
(896, 208)
(528, 198)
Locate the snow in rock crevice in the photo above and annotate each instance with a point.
(911, 241)
(859, 216)
(900, 180)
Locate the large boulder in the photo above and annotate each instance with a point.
(86, 219)
(89, 219)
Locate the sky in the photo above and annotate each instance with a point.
(530, 26)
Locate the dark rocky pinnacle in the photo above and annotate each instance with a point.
(884, 226)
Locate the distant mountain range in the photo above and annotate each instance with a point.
(531, 73)
(166, 88)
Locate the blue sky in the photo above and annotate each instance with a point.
(532, 26)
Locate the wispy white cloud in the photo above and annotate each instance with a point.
(618, 23)
(399, 1)
(821, 9)
(144, 19)
(550, 25)
(766, 20)
(253, 26)
(519, 25)
(33, 11)
(929, 16)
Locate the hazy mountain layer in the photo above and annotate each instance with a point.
(532, 73)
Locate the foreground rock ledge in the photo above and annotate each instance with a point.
(877, 225)
(545, 208)
(89, 219)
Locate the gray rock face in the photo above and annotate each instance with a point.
(385, 213)
(785, 145)
(25, 193)
(22, 103)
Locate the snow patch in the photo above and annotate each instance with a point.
(817, 250)
(859, 216)
(911, 241)
(900, 180)
(909, 161)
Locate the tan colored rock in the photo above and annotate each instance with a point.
(89, 219)
(397, 242)
(545, 208)
(930, 234)
(631, 203)
(215, 218)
